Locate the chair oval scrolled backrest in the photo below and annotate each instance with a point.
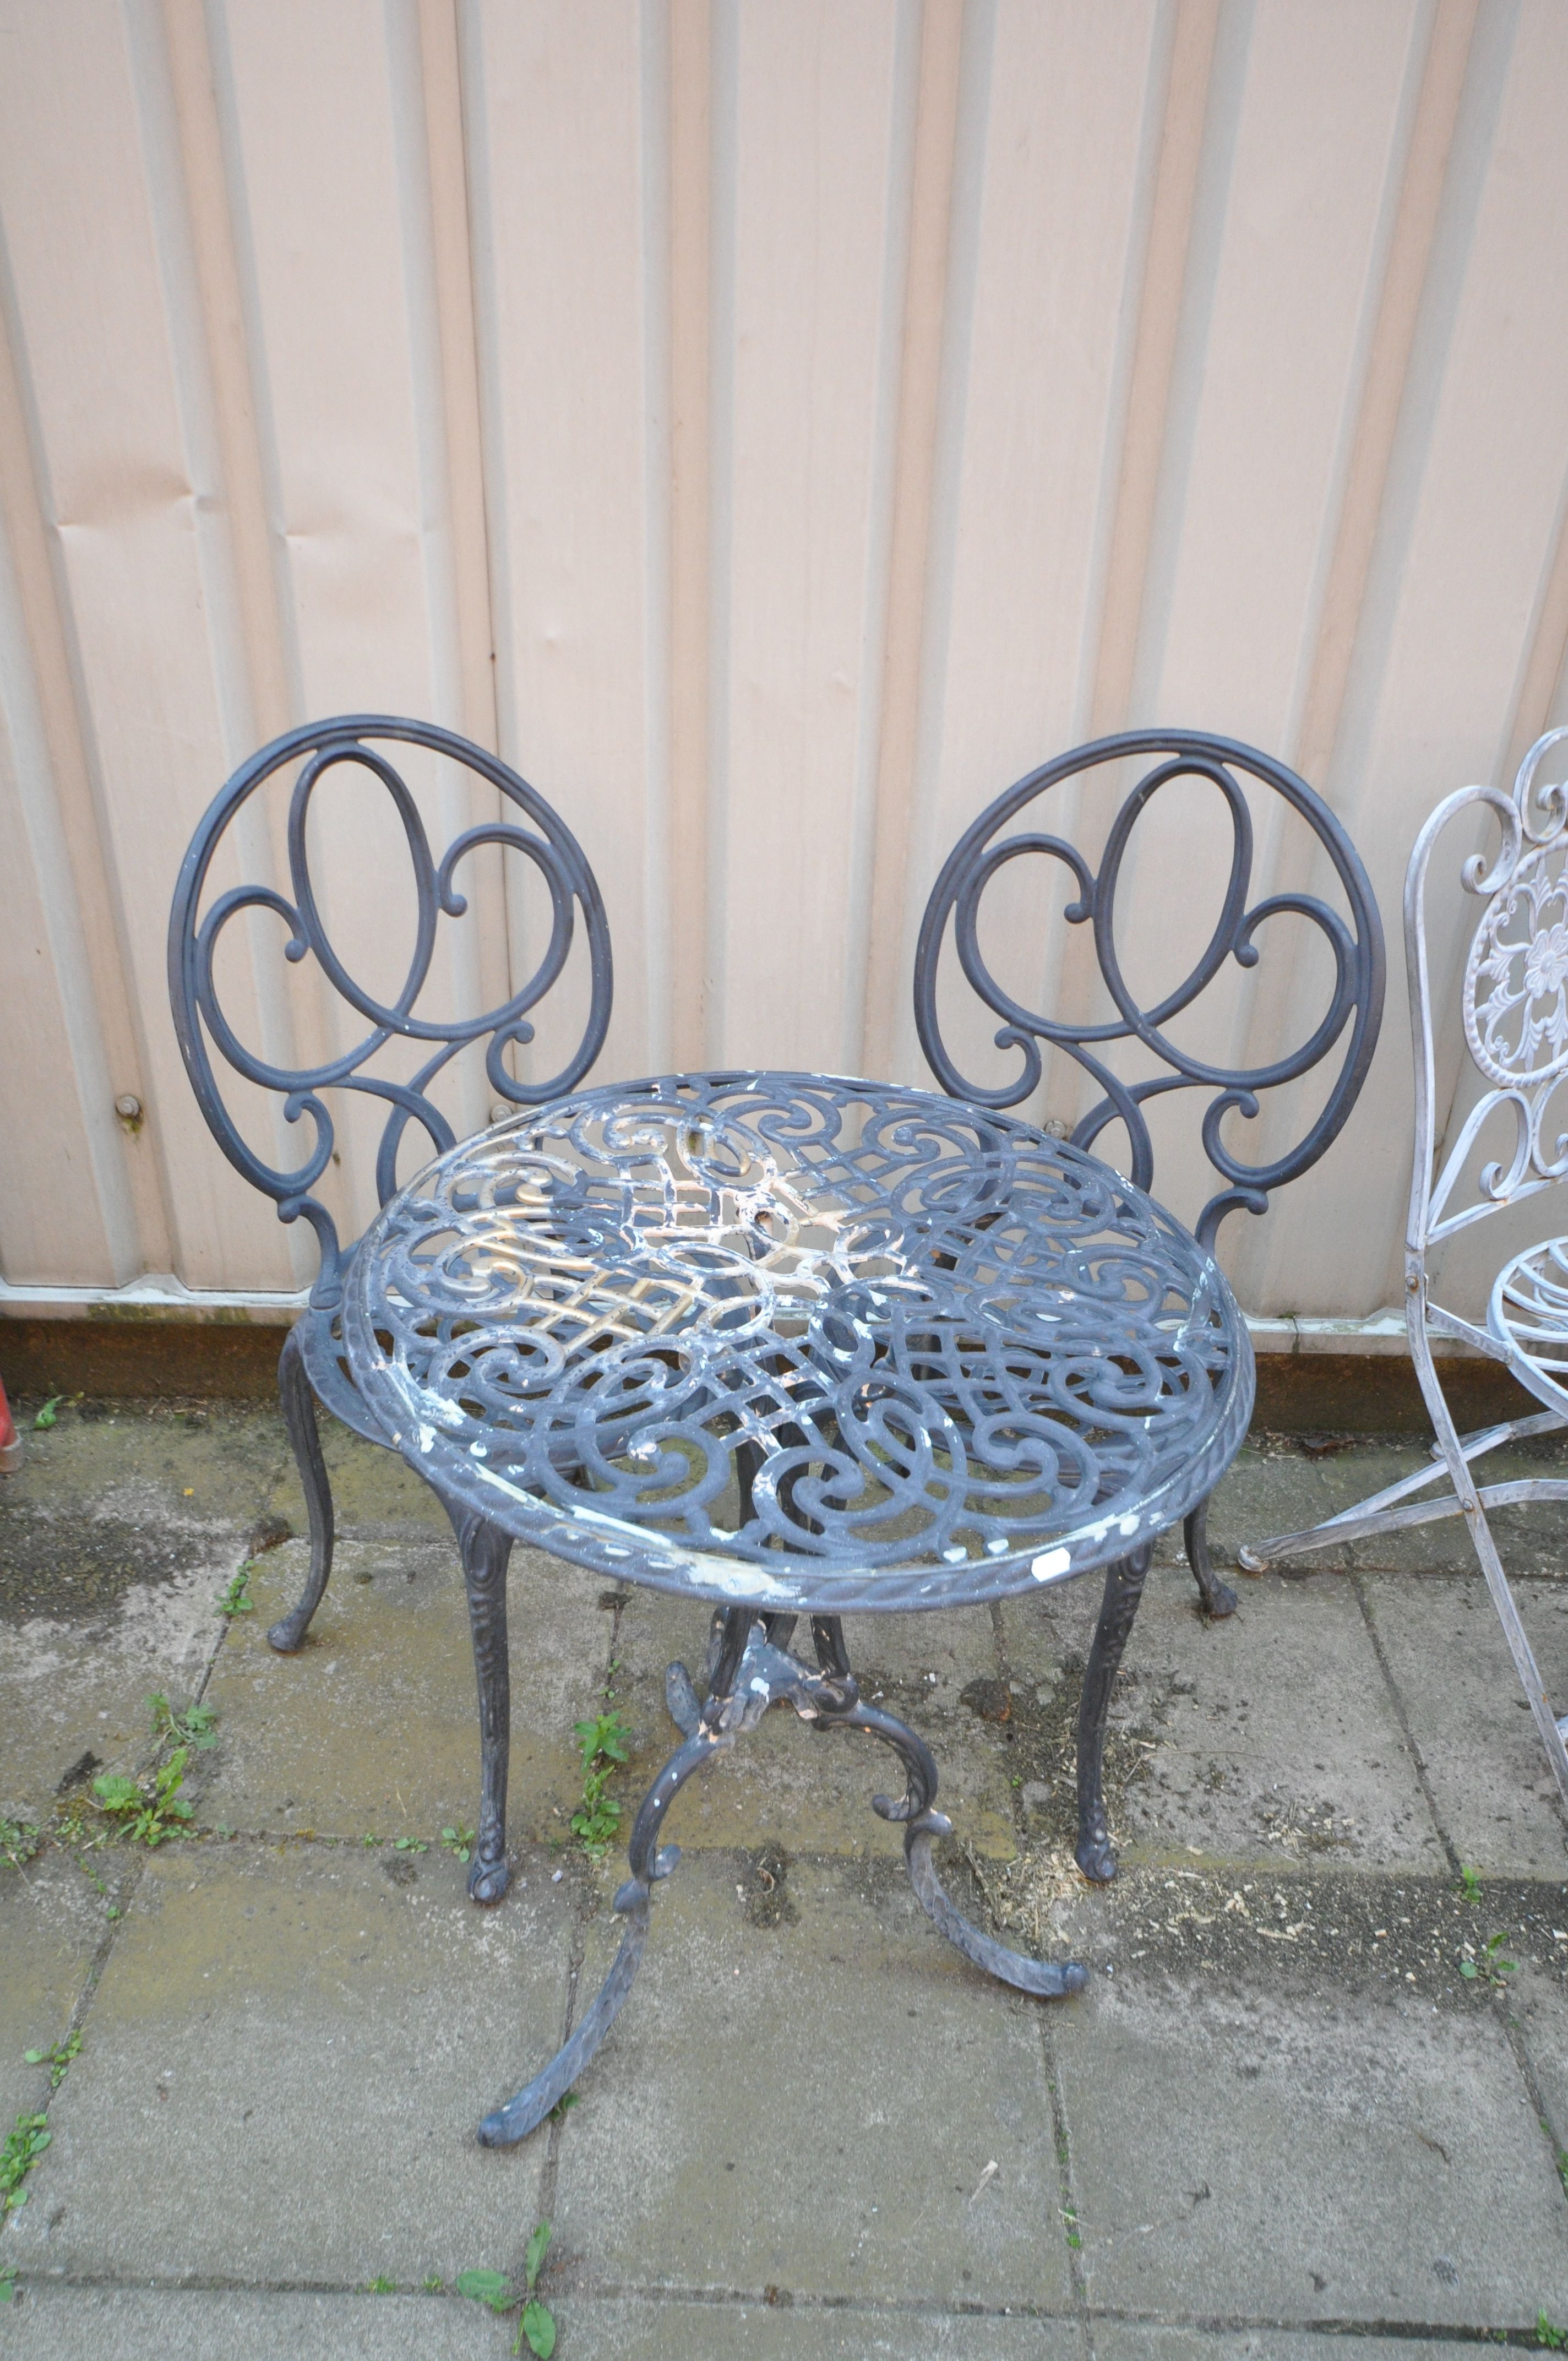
(530, 828)
(1349, 1021)
(1513, 1004)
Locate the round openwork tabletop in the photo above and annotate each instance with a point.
(968, 1360)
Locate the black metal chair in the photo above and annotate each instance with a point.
(313, 1365)
(1355, 1004)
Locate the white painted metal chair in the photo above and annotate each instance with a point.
(1515, 1008)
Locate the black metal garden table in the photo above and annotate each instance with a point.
(794, 1346)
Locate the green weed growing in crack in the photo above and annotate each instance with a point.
(232, 1600)
(537, 2326)
(1469, 1884)
(21, 2151)
(1491, 1967)
(195, 1726)
(148, 1810)
(49, 1415)
(1546, 2338)
(1561, 2154)
(459, 1842)
(20, 1841)
(606, 1743)
(381, 2287)
(7, 2281)
(57, 2060)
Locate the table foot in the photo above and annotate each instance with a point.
(1047, 1980)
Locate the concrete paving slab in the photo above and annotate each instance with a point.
(157, 1458)
(229, 2324)
(1271, 1486)
(116, 1537)
(1541, 2014)
(1243, 2151)
(373, 1491)
(372, 1728)
(287, 2054)
(1494, 1789)
(668, 2329)
(812, 2105)
(1117, 2341)
(73, 1693)
(1268, 1737)
(50, 1925)
(788, 1783)
(89, 2323)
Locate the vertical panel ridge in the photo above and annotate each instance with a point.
(913, 460)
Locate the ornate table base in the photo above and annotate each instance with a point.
(749, 1669)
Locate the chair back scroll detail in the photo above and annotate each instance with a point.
(534, 831)
(1514, 1001)
(1355, 1004)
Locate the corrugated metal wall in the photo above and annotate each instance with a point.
(774, 424)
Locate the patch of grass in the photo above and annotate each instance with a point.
(195, 1726)
(381, 2287)
(537, 2326)
(606, 1743)
(432, 2285)
(148, 1810)
(57, 2060)
(232, 1600)
(22, 2150)
(7, 2281)
(459, 1842)
(20, 1841)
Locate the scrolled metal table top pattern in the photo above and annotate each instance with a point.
(962, 1359)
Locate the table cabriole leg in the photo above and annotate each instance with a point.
(1124, 1588)
(486, 1551)
(1218, 1596)
(288, 1635)
(1047, 1980)
(648, 1860)
(755, 1676)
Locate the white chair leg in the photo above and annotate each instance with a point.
(1377, 1513)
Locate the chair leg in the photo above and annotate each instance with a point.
(1218, 1596)
(486, 1551)
(1124, 1589)
(287, 1636)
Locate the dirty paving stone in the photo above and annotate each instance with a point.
(233, 2324)
(855, 2029)
(1488, 1772)
(1306, 2153)
(1268, 1736)
(371, 1728)
(282, 2025)
(51, 1922)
